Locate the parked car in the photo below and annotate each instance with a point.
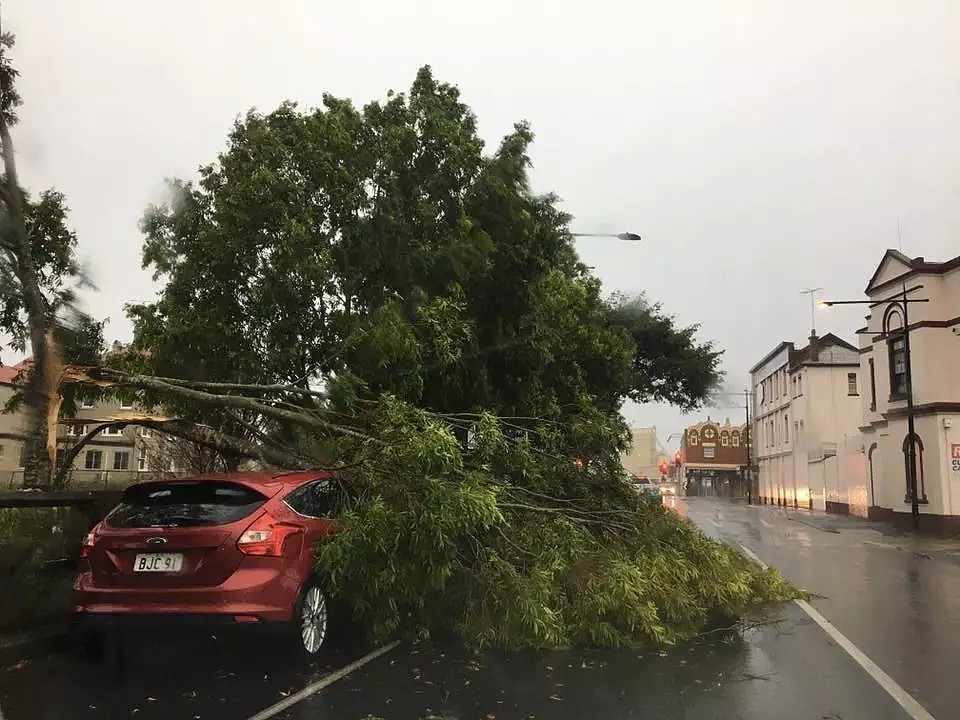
(235, 549)
(647, 487)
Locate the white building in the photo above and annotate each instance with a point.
(805, 425)
(934, 335)
(644, 454)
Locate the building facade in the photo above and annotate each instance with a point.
(643, 457)
(114, 457)
(714, 458)
(933, 328)
(806, 425)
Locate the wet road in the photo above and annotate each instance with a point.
(895, 596)
(899, 606)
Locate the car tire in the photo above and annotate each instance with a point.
(310, 622)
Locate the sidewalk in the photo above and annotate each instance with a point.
(895, 538)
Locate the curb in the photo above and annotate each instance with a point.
(21, 645)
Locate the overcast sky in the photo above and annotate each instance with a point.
(759, 147)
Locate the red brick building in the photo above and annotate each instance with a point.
(714, 458)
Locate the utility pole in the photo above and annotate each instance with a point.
(911, 432)
(748, 472)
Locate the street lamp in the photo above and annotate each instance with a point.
(625, 236)
(903, 302)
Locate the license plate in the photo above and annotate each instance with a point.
(158, 562)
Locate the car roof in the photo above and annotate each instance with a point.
(264, 480)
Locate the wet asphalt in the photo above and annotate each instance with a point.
(894, 597)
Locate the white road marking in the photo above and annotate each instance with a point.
(320, 684)
(766, 523)
(904, 699)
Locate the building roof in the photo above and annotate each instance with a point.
(801, 356)
(911, 266)
(771, 354)
(8, 373)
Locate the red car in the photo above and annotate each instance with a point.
(235, 548)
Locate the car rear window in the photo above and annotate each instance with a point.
(181, 504)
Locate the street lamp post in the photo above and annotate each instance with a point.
(625, 236)
(901, 300)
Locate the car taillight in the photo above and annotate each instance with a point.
(89, 540)
(266, 536)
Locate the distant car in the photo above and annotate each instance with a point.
(235, 549)
(668, 488)
(647, 487)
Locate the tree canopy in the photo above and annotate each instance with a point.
(383, 246)
(369, 291)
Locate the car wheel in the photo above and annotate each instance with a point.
(311, 619)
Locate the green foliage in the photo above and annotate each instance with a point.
(490, 545)
(669, 364)
(382, 253)
(59, 273)
(34, 587)
(385, 244)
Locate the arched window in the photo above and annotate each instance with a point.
(897, 352)
(694, 439)
(921, 486)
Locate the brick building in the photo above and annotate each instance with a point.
(714, 458)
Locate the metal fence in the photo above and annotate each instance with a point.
(91, 479)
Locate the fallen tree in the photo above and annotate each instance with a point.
(368, 291)
(501, 542)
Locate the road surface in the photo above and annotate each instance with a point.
(892, 599)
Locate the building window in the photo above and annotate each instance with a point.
(735, 439)
(121, 460)
(113, 430)
(786, 428)
(852, 384)
(709, 451)
(86, 404)
(693, 438)
(146, 432)
(93, 460)
(126, 405)
(786, 390)
(1, 450)
(799, 384)
(61, 457)
(142, 459)
(763, 391)
(725, 439)
(873, 385)
(898, 368)
(921, 485)
(76, 430)
(771, 440)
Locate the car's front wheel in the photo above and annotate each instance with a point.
(311, 619)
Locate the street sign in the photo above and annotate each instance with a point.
(955, 457)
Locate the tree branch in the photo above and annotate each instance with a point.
(116, 377)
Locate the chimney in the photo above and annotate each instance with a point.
(814, 352)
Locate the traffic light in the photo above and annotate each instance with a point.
(678, 459)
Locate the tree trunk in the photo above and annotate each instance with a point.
(38, 462)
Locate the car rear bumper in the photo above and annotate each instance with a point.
(249, 595)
